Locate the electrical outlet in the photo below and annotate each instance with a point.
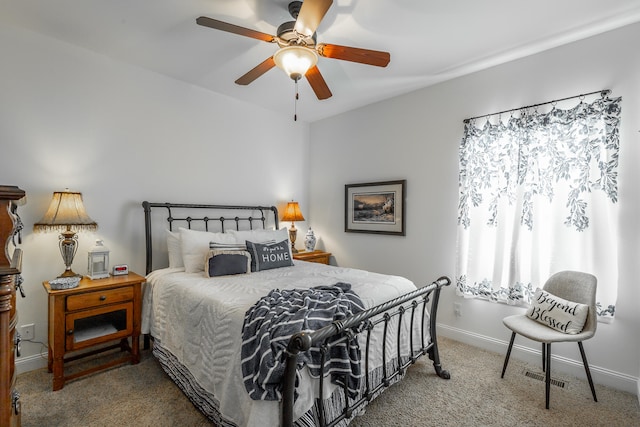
(457, 309)
(28, 332)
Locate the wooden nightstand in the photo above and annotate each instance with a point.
(90, 315)
(313, 256)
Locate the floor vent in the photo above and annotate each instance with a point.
(541, 377)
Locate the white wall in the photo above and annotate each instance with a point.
(416, 137)
(121, 135)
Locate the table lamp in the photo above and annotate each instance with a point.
(292, 213)
(66, 214)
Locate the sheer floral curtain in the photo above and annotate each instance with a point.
(538, 195)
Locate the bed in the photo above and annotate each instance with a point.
(196, 319)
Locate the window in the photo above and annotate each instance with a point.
(538, 195)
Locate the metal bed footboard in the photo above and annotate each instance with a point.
(365, 323)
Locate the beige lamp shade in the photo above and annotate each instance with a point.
(66, 213)
(292, 213)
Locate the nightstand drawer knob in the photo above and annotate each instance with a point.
(103, 297)
(70, 332)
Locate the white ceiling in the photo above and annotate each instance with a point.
(429, 40)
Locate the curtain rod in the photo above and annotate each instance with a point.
(602, 93)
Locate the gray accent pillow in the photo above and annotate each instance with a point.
(265, 256)
(225, 263)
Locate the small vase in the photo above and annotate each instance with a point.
(310, 240)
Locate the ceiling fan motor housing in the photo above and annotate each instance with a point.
(287, 36)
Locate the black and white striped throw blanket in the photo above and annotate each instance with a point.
(270, 323)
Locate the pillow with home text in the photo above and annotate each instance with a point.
(557, 313)
(265, 256)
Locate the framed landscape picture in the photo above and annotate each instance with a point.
(375, 207)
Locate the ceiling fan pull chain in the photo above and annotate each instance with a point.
(295, 103)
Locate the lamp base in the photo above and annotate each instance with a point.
(293, 232)
(70, 273)
(68, 243)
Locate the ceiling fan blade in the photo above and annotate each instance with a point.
(354, 54)
(317, 83)
(235, 29)
(311, 13)
(256, 71)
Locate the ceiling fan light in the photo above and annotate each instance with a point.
(295, 60)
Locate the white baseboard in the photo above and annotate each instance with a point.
(572, 367)
(30, 363)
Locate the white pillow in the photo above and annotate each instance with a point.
(261, 236)
(557, 313)
(195, 247)
(174, 247)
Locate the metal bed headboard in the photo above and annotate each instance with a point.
(217, 214)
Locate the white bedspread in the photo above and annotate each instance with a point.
(199, 320)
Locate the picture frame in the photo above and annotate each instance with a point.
(375, 207)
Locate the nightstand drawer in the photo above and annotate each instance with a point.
(99, 298)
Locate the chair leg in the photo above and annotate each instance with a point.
(506, 359)
(586, 368)
(544, 357)
(548, 374)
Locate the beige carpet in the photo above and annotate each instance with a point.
(142, 395)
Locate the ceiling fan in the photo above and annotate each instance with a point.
(298, 52)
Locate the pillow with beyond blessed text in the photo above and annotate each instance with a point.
(557, 313)
(265, 256)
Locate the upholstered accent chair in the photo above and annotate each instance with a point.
(572, 286)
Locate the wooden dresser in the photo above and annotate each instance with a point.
(10, 266)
